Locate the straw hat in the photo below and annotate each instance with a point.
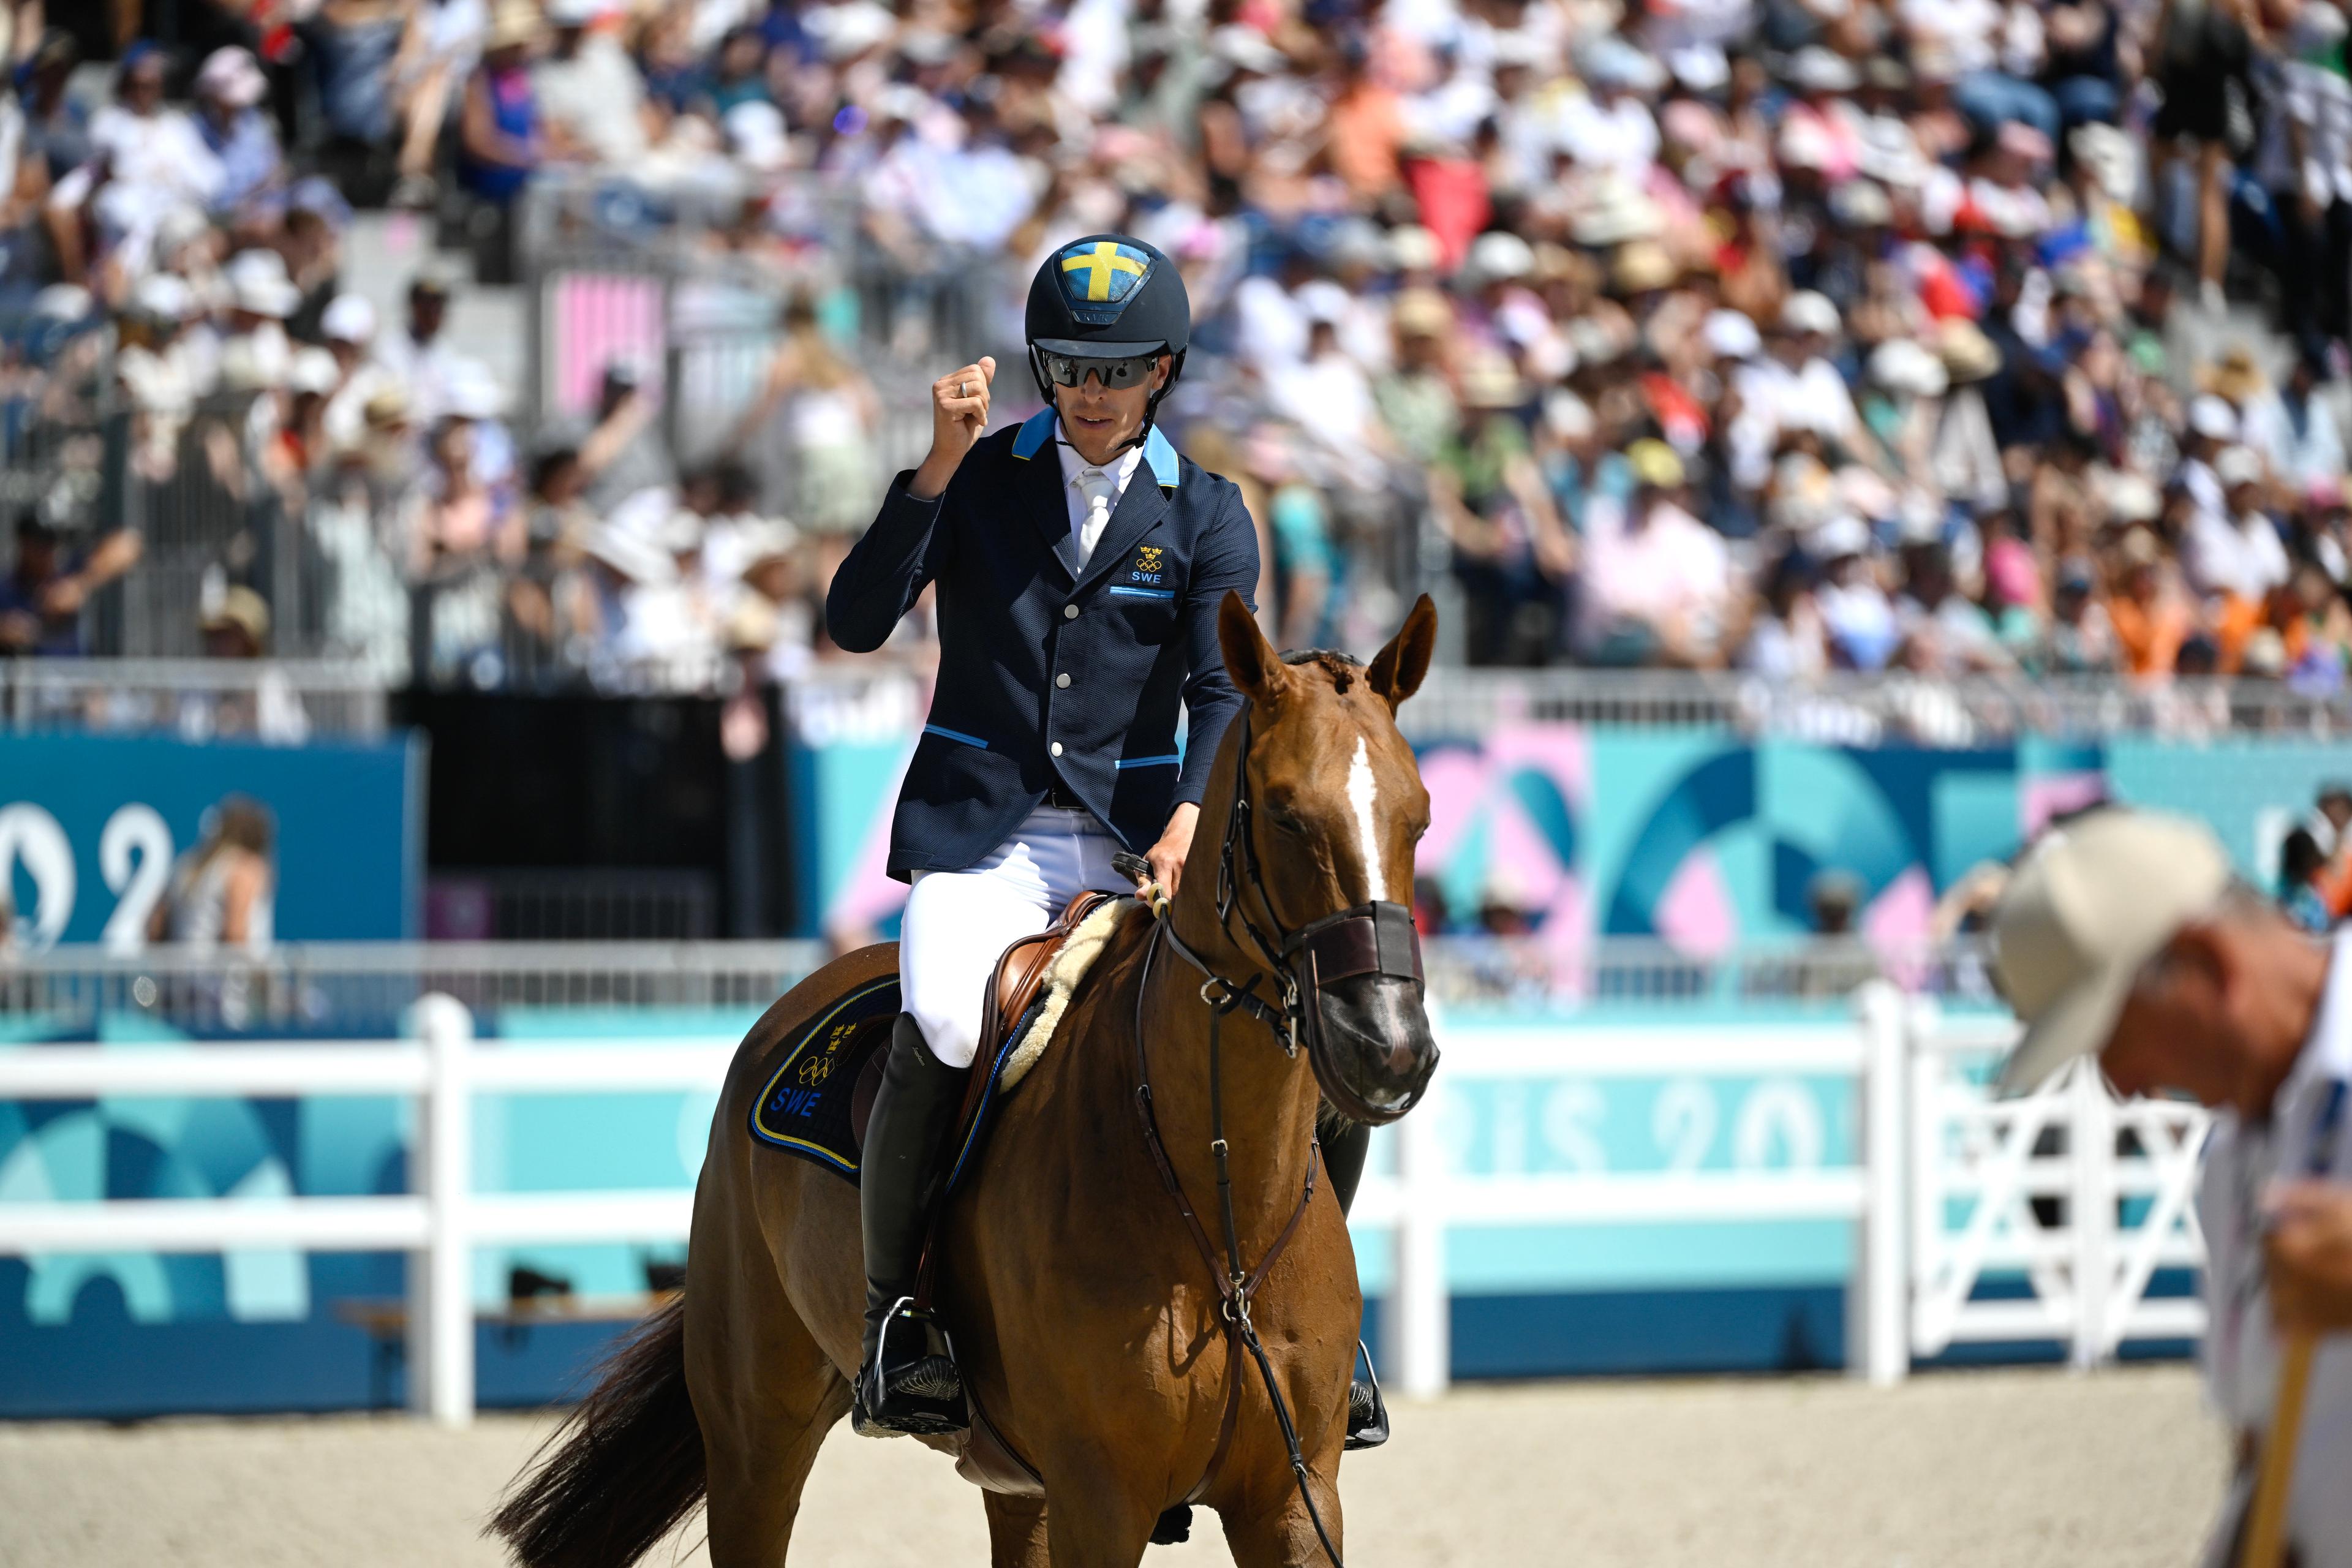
(240, 610)
(1422, 313)
(1643, 266)
(1490, 381)
(1968, 354)
(2235, 376)
(514, 25)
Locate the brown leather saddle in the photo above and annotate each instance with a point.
(1012, 990)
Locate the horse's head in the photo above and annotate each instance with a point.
(1320, 854)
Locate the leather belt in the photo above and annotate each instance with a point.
(1061, 798)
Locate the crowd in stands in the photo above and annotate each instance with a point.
(1790, 336)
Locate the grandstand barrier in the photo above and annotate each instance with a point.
(1942, 1191)
(291, 699)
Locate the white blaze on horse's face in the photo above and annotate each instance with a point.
(1363, 792)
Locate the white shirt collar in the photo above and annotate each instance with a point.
(1120, 470)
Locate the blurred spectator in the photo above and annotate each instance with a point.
(229, 90)
(223, 892)
(830, 414)
(501, 140)
(42, 597)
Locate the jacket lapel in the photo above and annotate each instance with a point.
(1138, 513)
(1038, 483)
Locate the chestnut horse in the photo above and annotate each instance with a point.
(1091, 1328)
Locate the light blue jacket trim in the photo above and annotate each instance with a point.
(1144, 593)
(1169, 761)
(955, 735)
(1160, 454)
(1035, 432)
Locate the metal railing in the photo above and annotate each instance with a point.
(1867, 710)
(286, 700)
(357, 986)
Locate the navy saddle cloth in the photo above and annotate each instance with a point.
(816, 1101)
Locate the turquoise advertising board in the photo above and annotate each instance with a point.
(90, 826)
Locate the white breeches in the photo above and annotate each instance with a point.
(958, 922)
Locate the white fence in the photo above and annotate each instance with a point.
(1948, 1189)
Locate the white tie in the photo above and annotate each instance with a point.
(1099, 491)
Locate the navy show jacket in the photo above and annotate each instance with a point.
(1046, 668)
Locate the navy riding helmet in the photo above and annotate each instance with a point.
(1107, 297)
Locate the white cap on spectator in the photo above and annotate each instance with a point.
(348, 319)
(1618, 210)
(1497, 256)
(576, 13)
(474, 393)
(163, 297)
(2213, 419)
(755, 130)
(1568, 417)
(1901, 366)
(1614, 62)
(258, 285)
(313, 370)
(1858, 203)
(1820, 69)
(252, 362)
(2238, 465)
(179, 227)
(230, 76)
(1808, 311)
(1412, 248)
(1730, 334)
(2133, 499)
(1838, 538)
(1701, 68)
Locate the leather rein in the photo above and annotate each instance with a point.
(1363, 939)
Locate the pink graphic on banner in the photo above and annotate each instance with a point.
(1696, 913)
(595, 319)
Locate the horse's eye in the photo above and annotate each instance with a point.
(1283, 819)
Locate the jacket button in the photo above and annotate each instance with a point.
(1069, 612)
(1056, 748)
(1061, 680)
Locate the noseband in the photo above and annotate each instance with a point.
(1376, 938)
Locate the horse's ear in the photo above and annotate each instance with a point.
(1397, 668)
(1255, 668)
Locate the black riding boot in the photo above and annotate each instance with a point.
(1368, 1412)
(906, 1379)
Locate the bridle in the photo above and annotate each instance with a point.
(1376, 938)
(1373, 938)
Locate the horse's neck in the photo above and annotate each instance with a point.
(1268, 1100)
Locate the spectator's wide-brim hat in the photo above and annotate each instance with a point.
(1490, 381)
(1643, 266)
(1422, 313)
(239, 610)
(1968, 354)
(1615, 211)
(769, 541)
(515, 24)
(2093, 900)
(2235, 375)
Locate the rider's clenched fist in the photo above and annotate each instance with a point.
(959, 414)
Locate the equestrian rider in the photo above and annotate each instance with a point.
(1079, 562)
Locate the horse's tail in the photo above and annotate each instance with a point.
(624, 1467)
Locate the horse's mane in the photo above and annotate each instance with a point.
(1341, 668)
